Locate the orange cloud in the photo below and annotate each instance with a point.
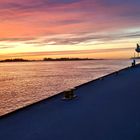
(68, 22)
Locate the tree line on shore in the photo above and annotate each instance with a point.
(47, 59)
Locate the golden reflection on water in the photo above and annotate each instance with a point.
(27, 82)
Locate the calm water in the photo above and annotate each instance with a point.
(28, 82)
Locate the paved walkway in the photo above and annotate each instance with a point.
(106, 109)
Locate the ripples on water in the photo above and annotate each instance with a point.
(27, 82)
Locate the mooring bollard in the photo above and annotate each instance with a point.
(69, 94)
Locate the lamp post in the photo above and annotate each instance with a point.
(137, 50)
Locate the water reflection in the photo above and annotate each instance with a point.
(28, 82)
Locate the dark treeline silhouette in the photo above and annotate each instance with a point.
(47, 59)
(67, 59)
(14, 60)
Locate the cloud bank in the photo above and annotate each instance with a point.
(68, 22)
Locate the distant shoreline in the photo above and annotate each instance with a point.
(48, 59)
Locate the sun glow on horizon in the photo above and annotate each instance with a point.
(32, 27)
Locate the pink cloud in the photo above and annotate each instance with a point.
(33, 18)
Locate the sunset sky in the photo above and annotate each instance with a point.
(35, 29)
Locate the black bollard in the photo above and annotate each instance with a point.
(69, 94)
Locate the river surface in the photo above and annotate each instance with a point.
(23, 83)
